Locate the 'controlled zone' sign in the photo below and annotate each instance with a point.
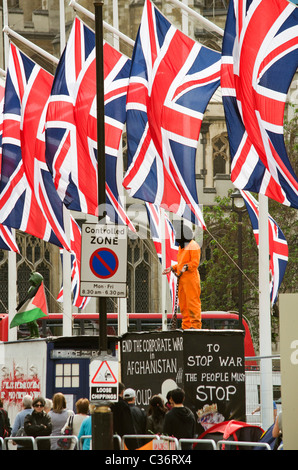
(103, 260)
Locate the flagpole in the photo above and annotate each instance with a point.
(30, 44)
(208, 24)
(121, 301)
(101, 167)
(266, 385)
(67, 303)
(164, 280)
(89, 14)
(12, 256)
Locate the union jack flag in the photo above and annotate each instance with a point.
(28, 198)
(71, 130)
(75, 243)
(7, 240)
(171, 249)
(172, 80)
(278, 247)
(2, 91)
(259, 59)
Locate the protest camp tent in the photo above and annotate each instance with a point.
(233, 431)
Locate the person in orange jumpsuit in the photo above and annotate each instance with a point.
(189, 290)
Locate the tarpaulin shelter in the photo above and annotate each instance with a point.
(233, 431)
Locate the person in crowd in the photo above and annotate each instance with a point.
(82, 408)
(49, 405)
(179, 421)
(138, 418)
(122, 417)
(277, 431)
(186, 269)
(86, 430)
(38, 423)
(18, 424)
(156, 415)
(169, 404)
(5, 428)
(274, 410)
(59, 415)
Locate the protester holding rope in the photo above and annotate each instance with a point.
(189, 287)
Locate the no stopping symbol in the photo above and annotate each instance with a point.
(104, 263)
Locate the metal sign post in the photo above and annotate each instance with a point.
(101, 166)
(102, 418)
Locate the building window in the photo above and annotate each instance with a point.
(220, 151)
(138, 276)
(67, 375)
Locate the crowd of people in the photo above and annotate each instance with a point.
(42, 417)
(171, 419)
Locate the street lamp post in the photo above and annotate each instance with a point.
(238, 207)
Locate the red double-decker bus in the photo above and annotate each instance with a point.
(88, 324)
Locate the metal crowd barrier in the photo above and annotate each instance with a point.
(121, 442)
(16, 439)
(44, 438)
(34, 441)
(82, 438)
(137, 436)
(244, 444)
(198, 442)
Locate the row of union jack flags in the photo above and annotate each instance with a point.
(49, 133)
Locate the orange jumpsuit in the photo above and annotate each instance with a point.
(189, 289)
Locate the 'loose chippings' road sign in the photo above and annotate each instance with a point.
(103, 379)
(103, 260)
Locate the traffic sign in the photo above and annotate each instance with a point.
(103, 375)
(103, 260)
(104, 263)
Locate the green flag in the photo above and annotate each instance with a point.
(32, 309)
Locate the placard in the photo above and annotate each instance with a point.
(207, 364)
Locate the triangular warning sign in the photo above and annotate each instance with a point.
(104, 375)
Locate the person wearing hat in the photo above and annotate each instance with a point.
(189, 289)
(139, 418)
(38, 423)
